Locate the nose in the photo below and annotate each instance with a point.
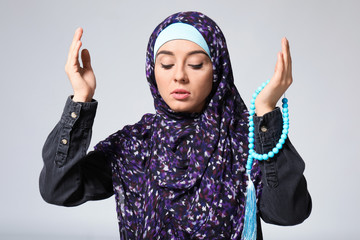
(180, 74)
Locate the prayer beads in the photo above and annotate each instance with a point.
(284, 134)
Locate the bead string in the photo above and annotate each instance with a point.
(254, 155)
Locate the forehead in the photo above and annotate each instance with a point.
(181, 46)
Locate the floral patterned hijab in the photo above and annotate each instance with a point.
(182, 175)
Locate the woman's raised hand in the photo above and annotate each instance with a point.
(82, 78)
(281, 80)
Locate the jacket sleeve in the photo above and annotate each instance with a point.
(69, 176)
(285, 199)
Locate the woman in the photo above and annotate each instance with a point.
(179, 173)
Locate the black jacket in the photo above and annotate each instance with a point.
(71, 176)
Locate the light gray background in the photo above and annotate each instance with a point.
(35, 36)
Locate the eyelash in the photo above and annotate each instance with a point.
(198, 66)
(168, 66)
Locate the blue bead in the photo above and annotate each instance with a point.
(252, 112)
(267, 81)
(285, 110)
(283, 136)
(284, 100)
(282, 141)
(286, 114)
(251, 118)
(285, 131)
(252, 101)
(251, 134)
(251, 151)
(252, 106)
(275, 150)
(251, 140)
(285, 105)
(251, 123)
(286, 119)
(254, 95)
(271, 154)
(260, 157)
(263, 85)
(251, 129)
(259, 89)
(251, 145)
(286, 126)
(265, 156)
(279, 145)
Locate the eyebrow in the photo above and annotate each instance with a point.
(189, 53)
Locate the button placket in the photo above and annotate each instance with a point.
(63, 146)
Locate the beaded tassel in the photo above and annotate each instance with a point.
(250, 227)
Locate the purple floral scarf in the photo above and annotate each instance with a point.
(182, 176)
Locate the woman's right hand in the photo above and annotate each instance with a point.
(82, 78)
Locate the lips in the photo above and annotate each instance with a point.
(179, 91)
(180, 94)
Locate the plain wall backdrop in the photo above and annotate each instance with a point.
(324, 39)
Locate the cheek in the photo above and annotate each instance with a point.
(207, 83)
(159, 79)
(156, 74)
(161, 83)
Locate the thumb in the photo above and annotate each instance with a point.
(279, 67)
(85, 57)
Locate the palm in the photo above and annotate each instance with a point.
(82, 78)
(279, 83)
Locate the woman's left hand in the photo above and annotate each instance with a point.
(281, 80)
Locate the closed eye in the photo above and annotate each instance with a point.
(167, 66)
(196, 66)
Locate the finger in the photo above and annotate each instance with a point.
(77, 36)
(285, 51)
(279, 67)
(85, 57)
(277, 64)
(75, 55)
(289, 60)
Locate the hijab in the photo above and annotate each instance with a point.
(182, 175)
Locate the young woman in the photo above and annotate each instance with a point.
(179, 173)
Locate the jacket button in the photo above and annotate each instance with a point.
(64, 141)
(73, 115)
(263, 129)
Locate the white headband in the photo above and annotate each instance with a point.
(180, 31)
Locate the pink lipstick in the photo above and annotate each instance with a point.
(180, 94)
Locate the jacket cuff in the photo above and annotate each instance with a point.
(81, 112)
(268, 129)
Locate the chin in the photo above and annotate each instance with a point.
(186, 106)
(180, 109)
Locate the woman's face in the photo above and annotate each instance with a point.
(183, 73)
